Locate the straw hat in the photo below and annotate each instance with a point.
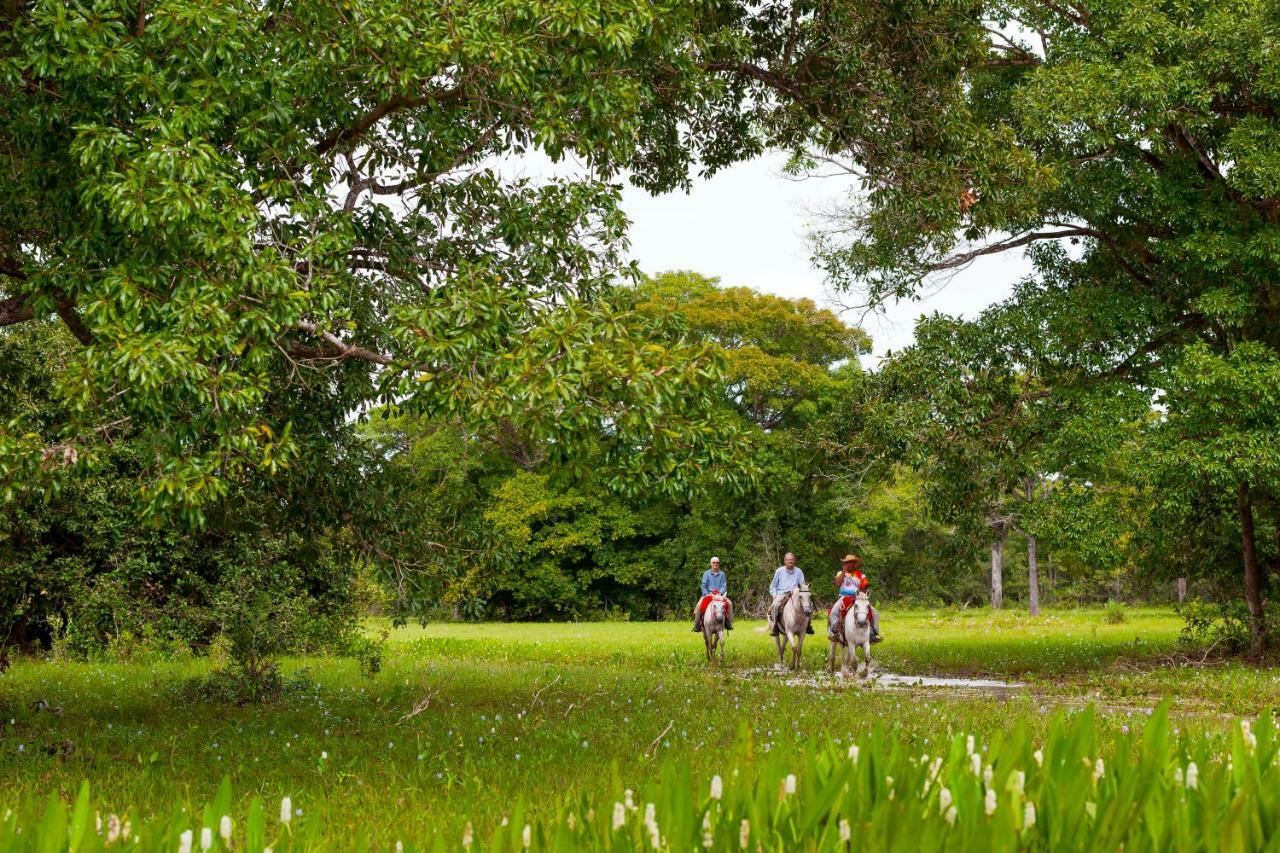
(852, 558)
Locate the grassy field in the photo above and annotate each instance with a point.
(471, 723)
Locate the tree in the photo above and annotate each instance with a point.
(1129, 149)
(221, 201)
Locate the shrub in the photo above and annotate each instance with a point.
(1113, 613)
(1223, 625)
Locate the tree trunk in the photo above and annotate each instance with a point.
(997, 571)
(1033, 577)
(1252, 574)
(1182, 589)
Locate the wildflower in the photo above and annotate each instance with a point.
(1029, 815)
(951, 816)
(975, 764)
(789, 784)
(224, 828)
(1099, 770)
(324, 756)
(968, 745)
(1038, 755)
(989, 804)
(744, 833)
(286, 809)
(468, 836)
(708, 836)
(988, 775)
(126, 829)
(206, 838)
(526, 836)
(1246, 733)
(717, 787)
(571, 821)
(184, 841)
(845, 832)
(399, 846)
(1124, 729)
(944, 800)
(853, 753)
(619, 816)
(651, 824)
(113, 829)
(1177, 776)
(1193, 776)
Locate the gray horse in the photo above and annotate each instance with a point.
(793, 624)
(713, 626)
(857, 635)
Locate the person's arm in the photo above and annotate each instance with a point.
(724, 583)
(773, 584)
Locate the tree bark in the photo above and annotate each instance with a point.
(997, 571)
(1182, 589)
(1033, 566)
(1033, 577)
(1252, 573)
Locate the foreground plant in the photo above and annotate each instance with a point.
(1150, 790)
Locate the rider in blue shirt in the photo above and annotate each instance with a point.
(785, 579)
(713, 581)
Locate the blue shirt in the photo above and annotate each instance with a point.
(785, 581)
(713, 582)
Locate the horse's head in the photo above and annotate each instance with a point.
(716, 607)
(805, 598)
(861, 609)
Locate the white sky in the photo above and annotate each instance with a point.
(746, 226)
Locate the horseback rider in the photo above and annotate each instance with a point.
(849, 582)
(713, 583)
(786, 579)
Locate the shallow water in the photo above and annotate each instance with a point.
(883, 680)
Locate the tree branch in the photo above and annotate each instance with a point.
(960, 260)
(333, 347)
(378, 113)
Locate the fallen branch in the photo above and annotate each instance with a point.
(420, 706)
(648, 752)
(537, 696)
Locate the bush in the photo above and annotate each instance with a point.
(1114, 613)
(1223, 625)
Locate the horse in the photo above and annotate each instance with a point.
(793, 621)
(713, 626)
(857, 634)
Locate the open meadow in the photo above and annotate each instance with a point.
(499, 726)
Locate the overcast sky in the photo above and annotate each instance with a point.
(747, 225)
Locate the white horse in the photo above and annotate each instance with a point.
(714, 620)
(857, 635)
(793, 624)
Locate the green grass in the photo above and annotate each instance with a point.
(549, 714)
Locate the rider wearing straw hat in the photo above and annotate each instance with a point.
(849, 582)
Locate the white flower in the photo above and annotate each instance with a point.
(619, 816)
(1193, 776)
(628, 799)
(951, 816)
(1038, 755)
(708, 836)
(526, 836)
(853, 753)
(113, 829)
(845, 832)
(1246, 733)
(1099, 770)
(968, 745)
(1177, 776)
(399, 846)
(468, 837)
(717, 787)
(744, 833)
(184, 841)
(789, 786)
(324, 756)
(990, 802)
(988, 775)
(1029, 815)
(975, 764)
(206, 838)
(944, 800)
(651, 824)
(286, 809)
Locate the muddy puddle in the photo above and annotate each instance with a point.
(886, 680)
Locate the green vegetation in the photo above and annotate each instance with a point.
(472, 722)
